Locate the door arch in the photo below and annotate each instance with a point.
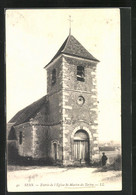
(81, 146)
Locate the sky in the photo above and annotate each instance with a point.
(33, 36)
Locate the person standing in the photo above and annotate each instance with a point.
(104, 159)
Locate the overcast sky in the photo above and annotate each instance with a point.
(33, 37)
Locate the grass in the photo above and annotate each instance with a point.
(114, 163)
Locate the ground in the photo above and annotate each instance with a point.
(52, 178)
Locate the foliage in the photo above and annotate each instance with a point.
(106, 148)
(117, 163)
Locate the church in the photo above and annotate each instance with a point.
(61, 127)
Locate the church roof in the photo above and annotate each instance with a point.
(29, 112)
(72, 47)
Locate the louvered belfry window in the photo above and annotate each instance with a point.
(53, 76)
(80, 73)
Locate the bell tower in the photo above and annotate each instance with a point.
(72, 91)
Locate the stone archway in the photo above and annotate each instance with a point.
(81, 144)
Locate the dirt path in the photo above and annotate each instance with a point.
(63, 179)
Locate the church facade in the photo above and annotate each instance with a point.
(62, 126)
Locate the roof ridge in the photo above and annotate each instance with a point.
(58, 52)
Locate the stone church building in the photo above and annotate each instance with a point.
(62, 126)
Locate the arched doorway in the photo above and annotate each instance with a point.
(81, 146)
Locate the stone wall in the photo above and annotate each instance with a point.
(58, 85)
(43, 139)
(34, 140)
(55, 115)
(55, 131)
(70, 74)
(55, 136)
(26, 148)
(40, 141)
(47, 132)
(77, 116)
(55, 124)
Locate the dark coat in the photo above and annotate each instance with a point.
(104, 159)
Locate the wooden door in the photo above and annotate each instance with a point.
(81, 146)
(81, 150)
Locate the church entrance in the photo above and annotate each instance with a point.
(81, 146)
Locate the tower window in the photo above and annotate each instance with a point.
(80, 73)
(20, 137)
(53, 76)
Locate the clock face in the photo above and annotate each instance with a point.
(80, 100)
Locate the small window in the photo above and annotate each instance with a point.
(20, 137)
(55, 150)
(80, 73)
(53, 76)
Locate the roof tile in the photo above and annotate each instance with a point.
(29, 112)
(72, 47)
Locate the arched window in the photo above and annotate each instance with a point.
(80, 73)
(55, 152)
(53, 76)
(20, 137)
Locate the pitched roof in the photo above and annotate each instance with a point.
(29, 112)
(72, 47)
